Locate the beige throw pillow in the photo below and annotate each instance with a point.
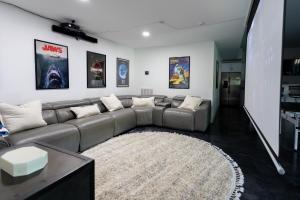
(112, 103)
(85, 111)
(191, 103)
(23, 117)
(143, 102)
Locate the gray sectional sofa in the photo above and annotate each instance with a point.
(65, 131)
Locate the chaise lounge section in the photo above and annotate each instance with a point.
(183, 119)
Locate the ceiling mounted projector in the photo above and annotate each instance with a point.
(73, 30)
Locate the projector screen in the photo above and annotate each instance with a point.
(263, 70)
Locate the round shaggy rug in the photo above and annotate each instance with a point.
(161, 165)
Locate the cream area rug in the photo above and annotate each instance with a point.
(161, 165)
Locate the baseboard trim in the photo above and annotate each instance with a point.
(270, 151)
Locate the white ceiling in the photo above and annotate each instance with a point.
(170, 22)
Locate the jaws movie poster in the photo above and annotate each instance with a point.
(51, 65)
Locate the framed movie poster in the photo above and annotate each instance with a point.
(217, 74)
(122, 72)
(51, 65)
(96, 70)
(179, 72)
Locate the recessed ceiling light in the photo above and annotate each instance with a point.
(146, 33)
(85, 1)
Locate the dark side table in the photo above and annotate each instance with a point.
(66, 176)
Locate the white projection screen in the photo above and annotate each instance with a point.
(263, 69)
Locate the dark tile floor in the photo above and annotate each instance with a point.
(232, 133)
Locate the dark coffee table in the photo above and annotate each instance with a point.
(66, 176)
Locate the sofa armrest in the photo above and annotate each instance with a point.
(164, 104)
(3, 143)
(202, 116)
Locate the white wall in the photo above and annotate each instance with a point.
(156, 60)
(17, 65)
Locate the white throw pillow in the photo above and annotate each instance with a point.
(23, 117)
(191, 103)
(85, 111)
(112, 103)
(143, 102)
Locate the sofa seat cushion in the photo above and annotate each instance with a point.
(125, 119)
(144, 115)
(179, 119)
(94, 129)
(65, 136)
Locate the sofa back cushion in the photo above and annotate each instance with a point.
(126, 100)
(157, 98)
(100, 104)
(63, 111)
(86, 111)
(127, 103)
(177, 101)
(49, 116)
(64, 114)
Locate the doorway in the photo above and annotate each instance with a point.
(231, 88)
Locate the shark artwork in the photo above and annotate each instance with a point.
(53, 79)
(52, 70)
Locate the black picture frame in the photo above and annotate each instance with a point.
(183, 70)
(96, 70)
(51, 65)
(122, 75)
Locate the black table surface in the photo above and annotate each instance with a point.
(60, 164)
